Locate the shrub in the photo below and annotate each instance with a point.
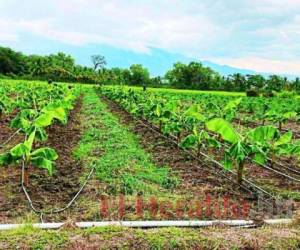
(269, 94)
(287, 94)
(252, 93)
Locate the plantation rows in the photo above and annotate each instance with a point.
(207, 123)
(33, 108)
(260, 110)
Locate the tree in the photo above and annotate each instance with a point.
(275, 83)
(139, 75)
(256, 81)
(193, 76)
(297, 84)
(239, 82)
(98, 61)
(12, 62)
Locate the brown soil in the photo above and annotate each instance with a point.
(6, 131)
(47, 192)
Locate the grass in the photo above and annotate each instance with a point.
(161, 238)
(188, 91)
(120, 162)
(32, 238)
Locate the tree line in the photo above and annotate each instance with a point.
(62, 67)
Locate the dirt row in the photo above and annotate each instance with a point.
(47, 192)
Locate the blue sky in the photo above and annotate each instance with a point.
(261, 35)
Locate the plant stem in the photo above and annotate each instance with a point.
(26, 176)
(240, 171)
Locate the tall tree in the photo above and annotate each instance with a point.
(139, 75)
(98, 61)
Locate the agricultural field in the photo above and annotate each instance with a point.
(75, 152)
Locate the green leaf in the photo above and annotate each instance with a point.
(263, 134)
(227, 162)
(47, 153)
(56, 111)
(232, 104)
(28, 143)
(41, 134)
(58, 114)
(239, 151)
(223, 128)
(6, 159)
(194, 112)
(284, 139)
(189, 141)
(260, 158)
(19, 150)
(42, 162)
(290, 115)
(212, 142)
(44, 120)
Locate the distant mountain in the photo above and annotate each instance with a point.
(227, 70)
(158, 61)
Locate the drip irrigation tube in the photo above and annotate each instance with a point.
(10, 138)
(154, 224)
(287, 168)
(52, 211)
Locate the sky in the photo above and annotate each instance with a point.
(260, 35)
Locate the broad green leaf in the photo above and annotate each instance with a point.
(263, 134)
(47, 153)
(42, 162)
(41, 134)
(19, 150)
(290, 115)
(224, 128)
(284, 139)
(58, 113)
(28, 143)
(260, 158)
(6, 159)
(232, 104)
(189, 141)
(194, 112)
(213, 143)
(288, 149)
(227, 162)
(44, 120)
(239, 151)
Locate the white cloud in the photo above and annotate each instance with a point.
(265, 30)
(264, 65)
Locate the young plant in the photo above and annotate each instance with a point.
(198, 140)
(42, 157)
(271, 143)
(238, 151)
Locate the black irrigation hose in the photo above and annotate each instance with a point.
(287, 168)
(256, 189)
(280, 173)
(10, 138)
(52, 211)
(272, 169)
